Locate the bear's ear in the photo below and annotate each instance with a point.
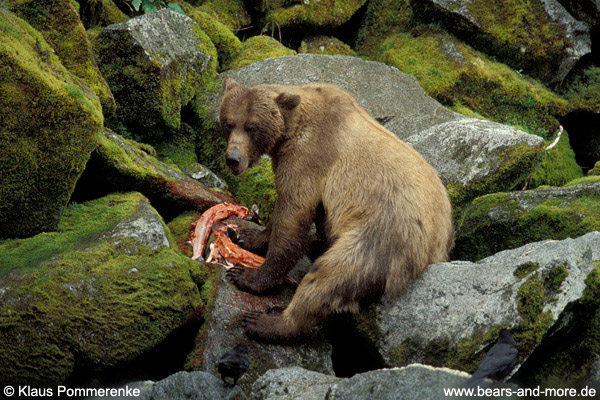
(287, 101)
(229, 83)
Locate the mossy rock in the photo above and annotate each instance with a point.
(503, 221)
(539, 37)
(259, 48)
(569, 354)
(453, 313)
(155, 65)
(58, 21)
(228, 46)
(311, 14)
(106, 288)
(119, 164)
(383, 18)
(460, 77)
(49, 125)
(231, 13)
(325, 45)
(100, 13)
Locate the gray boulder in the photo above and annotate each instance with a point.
(502, 155)
(524, 289)
(154, 64)
(415, 381)
(503, 221)
(292, 384)
(195, 385)
(544, 40)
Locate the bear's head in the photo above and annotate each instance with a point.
(253, 121)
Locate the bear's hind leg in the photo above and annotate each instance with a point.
(330, 288)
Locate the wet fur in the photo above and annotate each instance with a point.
(386, 212)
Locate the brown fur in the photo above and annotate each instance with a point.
(387, 214)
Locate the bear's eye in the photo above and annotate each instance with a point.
(228, 126)
(252, 130)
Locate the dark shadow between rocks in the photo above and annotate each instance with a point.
(167, 358)
(352, 351)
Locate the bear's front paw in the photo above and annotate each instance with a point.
(246, 279)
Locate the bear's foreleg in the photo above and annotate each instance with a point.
(254, 240)
(288, 243)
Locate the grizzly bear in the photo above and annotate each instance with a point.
(382, 208)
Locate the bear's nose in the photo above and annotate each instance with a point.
(232, 160)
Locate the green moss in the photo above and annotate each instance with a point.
(595, 171)
(456, 75)
(227, 45)
(231, 13)
(257, 186)
(555, 278)
(468, 353)
(383, 18)
(180, 229)
(58, 21)
(49, 124)
(322, 13)
(585, 179)
(525, 269)
(591, 293)
(518, 32)
(513, 226)
(74, 297)
(325, 45)
(259, 48)
(558, 166)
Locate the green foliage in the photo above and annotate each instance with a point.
(150, 6)
(323, 13)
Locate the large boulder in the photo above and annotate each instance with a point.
(412, 382)
(119, 164)
(539, 37)
(106, 288)
(524, 290)
(58, 21)
(196, 385)
(587, 11)
(155, 64)
(49, 125)
(504, 155)
(503, 221)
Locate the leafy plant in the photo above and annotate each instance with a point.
(150, 6)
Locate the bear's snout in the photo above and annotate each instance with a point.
(233, 159)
